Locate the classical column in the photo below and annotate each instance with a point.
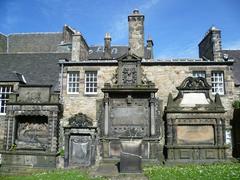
(152, 116)
(106, 117)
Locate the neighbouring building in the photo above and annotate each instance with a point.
(58, 93)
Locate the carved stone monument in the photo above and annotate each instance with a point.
(194, 124)
(31, 128)
(130, 111)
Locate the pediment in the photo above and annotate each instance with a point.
(80, 120)
(193, 84)
(129, 56)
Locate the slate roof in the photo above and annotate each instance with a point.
(37, 68)
(97, 52)
(235, 54)
(31, 42)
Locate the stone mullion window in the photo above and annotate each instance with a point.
(91, 82)
(73, 80)
(4, 97)
(217, 82)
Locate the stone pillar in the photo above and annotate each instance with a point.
(106, 117)
(76, 46)
(136, 33)
(152, 109)
(66, 148)
(107, 46)
(139, 73)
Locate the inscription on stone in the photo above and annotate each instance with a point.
(128, 115)
(195, 134)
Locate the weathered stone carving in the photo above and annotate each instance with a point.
(129, 75)
(80, 120)
(192, 83)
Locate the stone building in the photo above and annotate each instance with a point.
(91, 99)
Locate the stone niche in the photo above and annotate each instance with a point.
(31, 128)
(80, 141)
(195, 124)
(130, 111)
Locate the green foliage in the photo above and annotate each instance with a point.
(53, 175)
(236, 104)
(13, 147)
(194, 172)
(61, 152)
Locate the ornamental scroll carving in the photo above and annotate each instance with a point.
(80, 120)
(191, 83)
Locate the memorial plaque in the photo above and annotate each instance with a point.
(80, 150)
(195, 134)
(128, 115)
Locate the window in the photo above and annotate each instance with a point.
(73, 82)
(199, 74)
(4, 97)
(91, 82)
(217, 83)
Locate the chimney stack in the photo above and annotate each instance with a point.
(210, 48)
(107, 46)
(149, 48)
(79, 47)
(136, 33)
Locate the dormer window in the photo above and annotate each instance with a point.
(5, 90)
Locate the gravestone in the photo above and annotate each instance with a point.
(80, 141)
(130, 157)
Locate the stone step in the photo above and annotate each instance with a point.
(17, 169)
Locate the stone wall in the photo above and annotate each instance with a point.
(166, 78)
(86, 104)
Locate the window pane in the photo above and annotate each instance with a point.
(217, 83)
(4, 97)
(73, 82)
(90, 82)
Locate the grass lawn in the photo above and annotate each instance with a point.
(73, 174)
(183, 172)
(194, 172)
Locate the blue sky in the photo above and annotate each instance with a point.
(176, 26)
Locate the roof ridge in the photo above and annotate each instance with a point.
(25, 33)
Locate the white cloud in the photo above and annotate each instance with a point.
(119, 29)
(147, 5)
